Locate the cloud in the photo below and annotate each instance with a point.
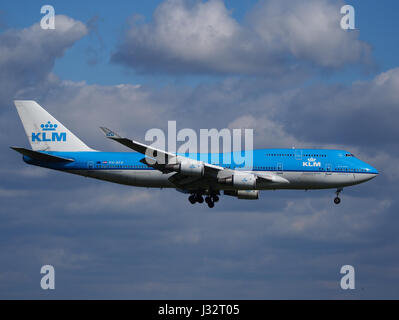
(308, 31)
(275, 37)
(334, 116)
(268, 133)
(112, 241)
(351, 115)
(27, 55)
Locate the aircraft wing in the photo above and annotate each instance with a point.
(137, 146)
(157, 158)
(190, 174)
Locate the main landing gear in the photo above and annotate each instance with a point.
(337, 199)
(210, 199)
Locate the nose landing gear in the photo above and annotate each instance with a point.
(337, 199)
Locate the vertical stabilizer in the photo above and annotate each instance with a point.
(44, 132)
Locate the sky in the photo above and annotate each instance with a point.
(284, 68)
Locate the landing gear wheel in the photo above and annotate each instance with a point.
(337, 200)
(192, 199)
(208, 199)
(200, 199)
(215, 198)
(211, 204)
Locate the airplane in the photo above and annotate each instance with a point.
(53, 146)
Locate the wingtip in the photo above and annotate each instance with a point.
(109, 133)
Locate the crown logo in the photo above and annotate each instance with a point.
(48, 126)
(311, 159)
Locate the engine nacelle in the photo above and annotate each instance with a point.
(243, 194)
(244, 181)
(189, 168)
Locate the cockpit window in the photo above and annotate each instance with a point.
(349, 155)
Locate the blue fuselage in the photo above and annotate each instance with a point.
(303, 168)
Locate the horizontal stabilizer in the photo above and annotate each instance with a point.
(37, 155)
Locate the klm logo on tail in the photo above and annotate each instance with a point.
(48, 133)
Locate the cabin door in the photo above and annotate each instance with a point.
(328, 168)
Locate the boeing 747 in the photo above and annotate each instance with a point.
(53, 146)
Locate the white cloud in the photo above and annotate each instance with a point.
(27, 55)
(157, 240)
(308, 30)
(203, 37)
(268, 133)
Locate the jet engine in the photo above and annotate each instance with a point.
(243, 194)
(240, 180)
(189, 168)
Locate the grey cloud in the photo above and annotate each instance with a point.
(309, 31)
(28, 55)
(111, 241)
(276, 37)
(145, 250)
(327, 116)
(361, 114)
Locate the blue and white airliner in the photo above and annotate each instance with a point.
(55, 147)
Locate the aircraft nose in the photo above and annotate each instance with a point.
(373, 171)
(370, 171)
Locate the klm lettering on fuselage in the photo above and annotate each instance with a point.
(48, 134)
(311, 163)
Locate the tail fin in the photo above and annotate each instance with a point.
(44, 132)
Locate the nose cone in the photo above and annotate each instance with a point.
(369, 176)
(371, 170)
(368, 172)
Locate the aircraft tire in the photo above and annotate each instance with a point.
(200, 199)
(192, 199)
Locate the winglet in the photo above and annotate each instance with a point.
(109, 133)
